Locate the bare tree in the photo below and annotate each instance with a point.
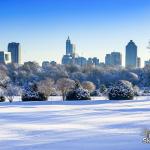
(64, 85)
(88, 86)
(46, 86)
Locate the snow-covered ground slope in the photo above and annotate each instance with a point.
(87, 125)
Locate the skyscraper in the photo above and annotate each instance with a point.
(69, 47)
(131, 55)
(15, 50)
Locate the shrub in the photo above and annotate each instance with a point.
(78, 93)
(122, 90)
(2, 99)
(96, 93)
(31, 93)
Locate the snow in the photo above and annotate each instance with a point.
(75, 125)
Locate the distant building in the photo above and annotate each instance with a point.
(67, 59)
(116, 59)
(15, 50)
(95, 61)
(90, 61)
(147, 63)
(108, 59)
(5, 57)
(70, 48)
(81, 61)
(138, 62)
(113, 59)
(131, 55)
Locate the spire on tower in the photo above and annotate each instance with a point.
(68, 38)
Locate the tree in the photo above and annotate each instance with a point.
(46, 87)
(64, 85)
(11, 91)
(88, 86)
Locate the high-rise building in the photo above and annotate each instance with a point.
(116, 59)
(70, 48)
(113, 59)
(131, 55)
(108, 59)
(15, 50)
(5, 57)
(138, 62)
(81, 61)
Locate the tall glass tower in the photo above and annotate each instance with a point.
(131, 55)
(69, 47)
(15, 50)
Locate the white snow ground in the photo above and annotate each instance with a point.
(86, 125)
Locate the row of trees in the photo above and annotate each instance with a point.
(58, 79)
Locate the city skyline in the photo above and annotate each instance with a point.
(97, 27)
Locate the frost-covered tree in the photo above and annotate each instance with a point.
(78, 93)
(46, 86)
(88, 86)
(122, 90)
(11, 91)
(64, 85)
(31, 93)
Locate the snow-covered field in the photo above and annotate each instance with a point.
(86, 125)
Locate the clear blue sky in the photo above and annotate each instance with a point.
(97, 27)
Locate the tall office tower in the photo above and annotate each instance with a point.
(138, 62)
(108, 59)
(69, 47)
(131, 55)
(15, 50)
(116, 59)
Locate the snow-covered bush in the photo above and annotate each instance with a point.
(136, 90)
(2, 99)
(78, 93)
(31, 93)
(103, 89)
(96, 93)
(122, 90)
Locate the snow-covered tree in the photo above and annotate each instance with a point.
(11, 91)
(31, 93)
(64, 85)
(46, 87)
(88, 86)
(78, 93)
(122, 90)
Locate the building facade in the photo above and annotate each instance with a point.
(15, 50)
(131, 55)
(5, 57)
(113, 59)
(138, 62)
